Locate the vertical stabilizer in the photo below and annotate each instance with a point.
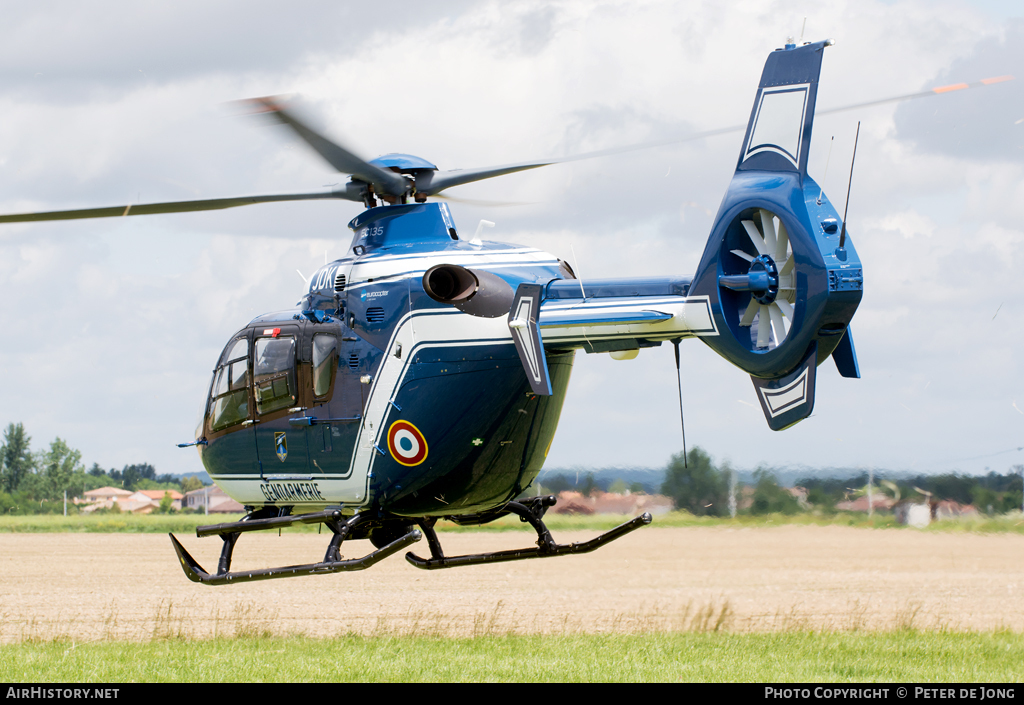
(778, 135)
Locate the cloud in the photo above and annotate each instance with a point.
(118, 322)
(978, 124)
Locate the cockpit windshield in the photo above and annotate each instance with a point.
(274, 373)
(230, 395)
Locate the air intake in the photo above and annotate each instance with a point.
(374, 314)
(339, 282)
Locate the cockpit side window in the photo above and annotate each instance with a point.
(274, 373)
(230, 397)
(325, 363)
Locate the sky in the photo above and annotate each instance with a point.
(113, 326)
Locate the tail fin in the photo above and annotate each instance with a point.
(778, 136)
(781, 289)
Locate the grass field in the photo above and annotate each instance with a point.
(899, 656)
(708, 600)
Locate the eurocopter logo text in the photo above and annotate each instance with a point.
(373, 294)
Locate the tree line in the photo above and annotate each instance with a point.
(703, 488)
(34, 482)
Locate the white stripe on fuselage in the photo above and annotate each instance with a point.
(448, 328)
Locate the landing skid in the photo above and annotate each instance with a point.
(332, 562)
(390, 534)
(530, 511)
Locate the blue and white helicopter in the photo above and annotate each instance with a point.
(422, 375)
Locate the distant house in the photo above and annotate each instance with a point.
(157, 496)
(106, 498)
(611, 503)
(212, 500)
(106, 494)
(136, 505)
(948, 509)
(800, 495)
(878, 501)
(922, 513)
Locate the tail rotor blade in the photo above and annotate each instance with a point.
(786, 308)
(782, 247)
(755, 237)
(768, 227)
(764, 327)
(778, 322)
(748, 316)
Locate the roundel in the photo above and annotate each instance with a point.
(406, 443)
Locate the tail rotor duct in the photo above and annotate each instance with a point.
(763, 266)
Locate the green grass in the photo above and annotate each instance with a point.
(898, 656)
(106, 523)
(187, 523)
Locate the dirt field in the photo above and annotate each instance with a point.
(130, 586)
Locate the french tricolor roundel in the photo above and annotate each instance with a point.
(406, 443)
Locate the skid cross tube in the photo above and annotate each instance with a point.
(256, 524)
(546, 546)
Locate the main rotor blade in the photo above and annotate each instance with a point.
(478, 202)
(387, 182)
(433, 183)
(478, 174)
(921, 94)
(211, 204)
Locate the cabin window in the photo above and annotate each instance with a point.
(274, 374)
(230, 397)
(325, 363)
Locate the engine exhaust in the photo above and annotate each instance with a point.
(473, 291)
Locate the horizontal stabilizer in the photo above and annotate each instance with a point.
(846, 356)
(599, 317)
(787, 400)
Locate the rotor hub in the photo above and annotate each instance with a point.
(761, 280)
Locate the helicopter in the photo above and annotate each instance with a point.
(421, 376)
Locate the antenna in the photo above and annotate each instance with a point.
(802, 28)
(579, 277)
(479, 229)
(732, 493)
(825, 173)
(871, 495)
(679, 382)
(842, 235)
